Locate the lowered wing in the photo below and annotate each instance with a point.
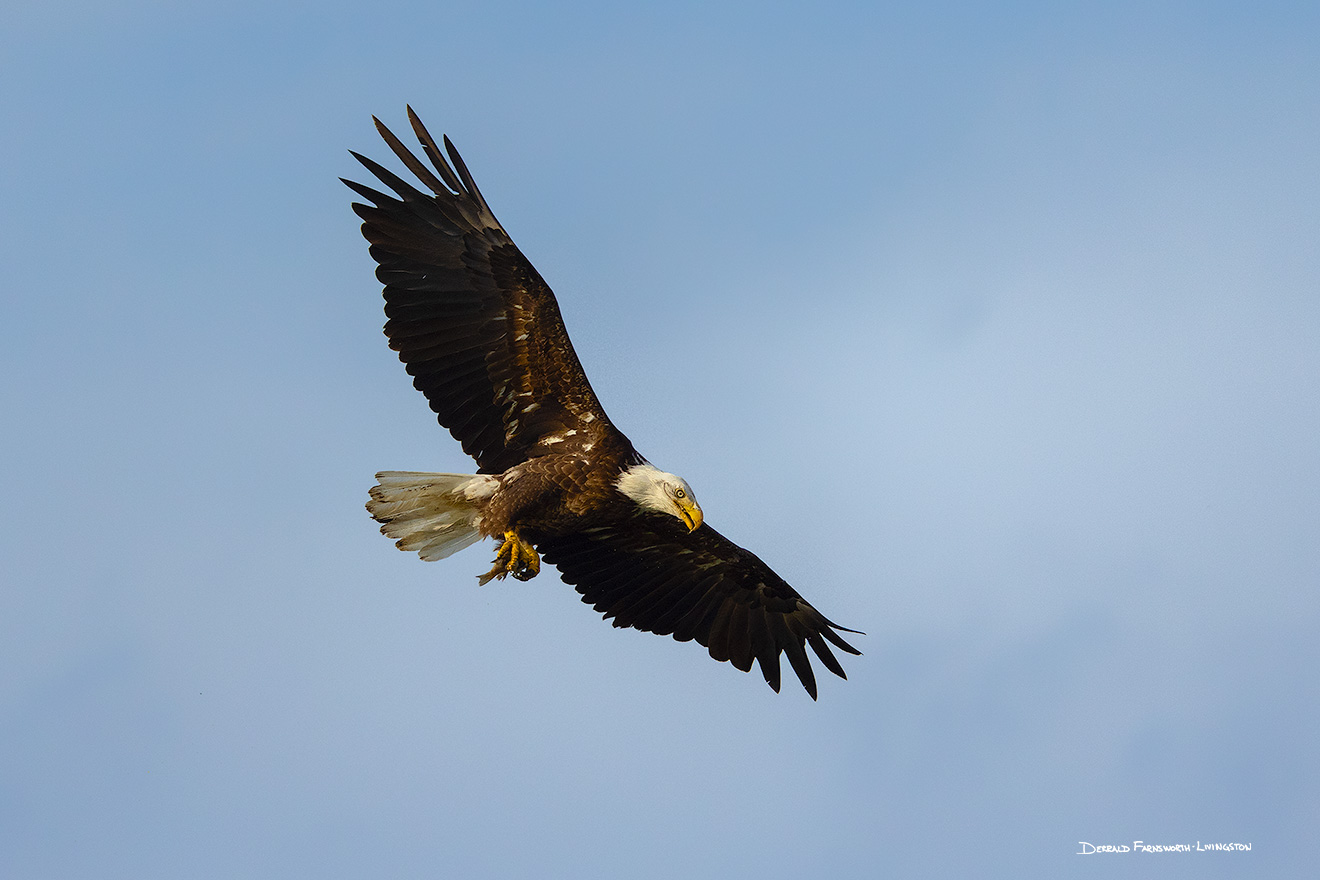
(649, 572)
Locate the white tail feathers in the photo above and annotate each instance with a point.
(434, 514)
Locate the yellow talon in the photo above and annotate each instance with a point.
(516, 557)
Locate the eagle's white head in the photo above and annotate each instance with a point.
(653, 489)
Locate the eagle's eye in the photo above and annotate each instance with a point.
(679, 493)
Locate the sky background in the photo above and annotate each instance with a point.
(994, 328)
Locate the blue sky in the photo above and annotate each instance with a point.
(992, 327)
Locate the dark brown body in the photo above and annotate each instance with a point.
(554, 495)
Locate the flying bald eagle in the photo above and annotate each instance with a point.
(481, 335)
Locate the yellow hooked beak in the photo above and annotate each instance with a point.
(690, 512)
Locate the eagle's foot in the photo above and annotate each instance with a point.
(516, 557)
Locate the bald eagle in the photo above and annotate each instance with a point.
(480, 333)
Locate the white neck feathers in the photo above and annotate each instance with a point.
(649, 487)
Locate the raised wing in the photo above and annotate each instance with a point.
(650, 573)
(472, 320)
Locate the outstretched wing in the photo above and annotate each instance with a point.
(651, 573)
(474, 323)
